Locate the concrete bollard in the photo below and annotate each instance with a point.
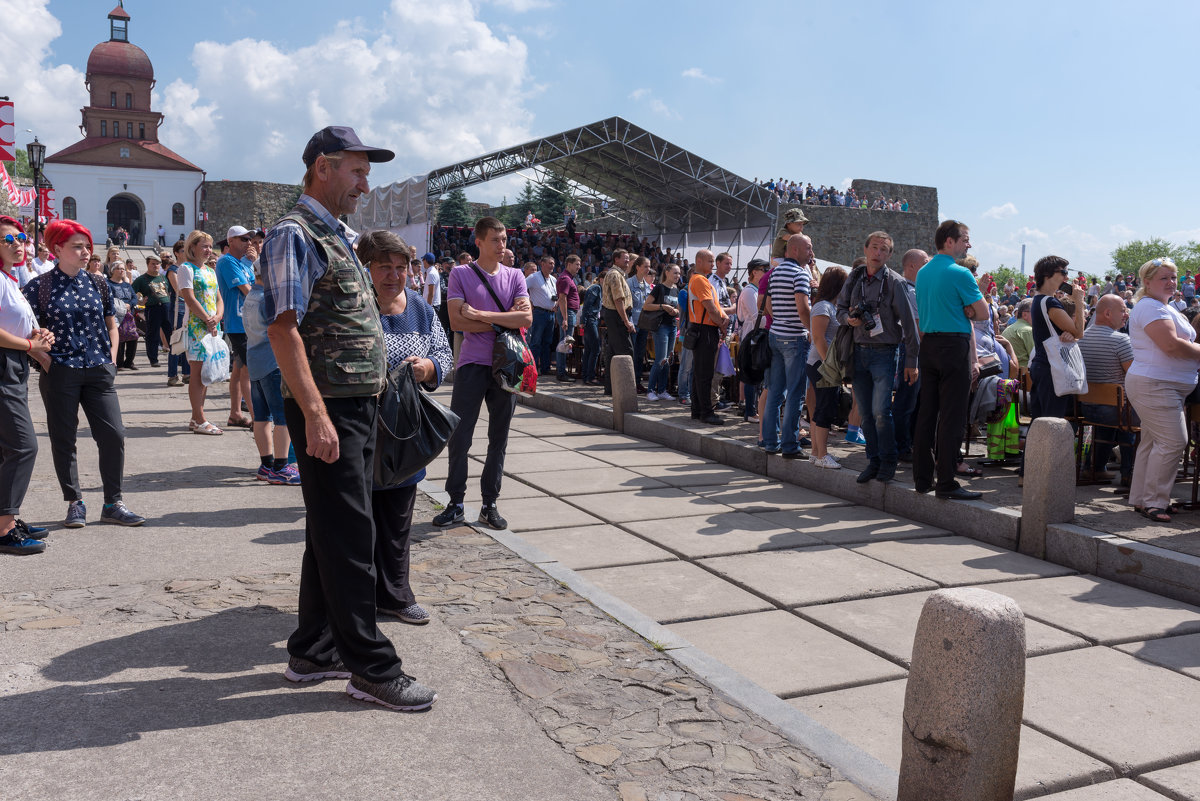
(624, 389)
(1049, 492)
(965, 698)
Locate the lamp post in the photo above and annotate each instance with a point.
(36, 152)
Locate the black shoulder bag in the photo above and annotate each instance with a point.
(510, 353)
(413, 428)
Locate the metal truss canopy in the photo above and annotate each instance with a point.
(670, 188)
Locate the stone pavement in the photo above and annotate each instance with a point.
(145, 663)
(797, 601)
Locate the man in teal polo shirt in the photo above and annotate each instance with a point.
(948, 299)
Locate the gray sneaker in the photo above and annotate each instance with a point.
(76, 515)
(402, 693)
(119, 513)
(413, 613)
(301, 670)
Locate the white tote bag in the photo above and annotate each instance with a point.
(1066, 361)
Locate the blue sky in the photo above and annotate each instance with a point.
(1066, 126)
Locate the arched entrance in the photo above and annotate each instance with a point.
(126, 211)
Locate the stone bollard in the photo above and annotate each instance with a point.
(624, 389)
(965, 698)
(1049, 492)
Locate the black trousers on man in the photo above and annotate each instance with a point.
(945, 370)
(64, 390)
(704, 364)
(474, 386)
(158, 323)
(337, 574)
(620, 343)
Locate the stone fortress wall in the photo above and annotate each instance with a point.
(839, 234)
(253, 204)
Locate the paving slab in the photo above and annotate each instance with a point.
(594, 479)
(1101, 610)
(658, 455)
(1120, 790)
(540, 513)
(517, 464)
(766, 495)
(958, 561)
(1181, 781)
(510, 490)
(888, 625)
(650, 504)
(542, 424)
(611, 441)
(815, 575)
(586, 547)
(719, 535)
(872, 717)
(521, 444)
(844, 525)
(786, 655)
(439, 468)
(1135, 716)
(697, 474)
(1177, 653)
(674, 591)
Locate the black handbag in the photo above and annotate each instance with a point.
(650, 320)
(511, 356)
(754, 353)
(413, 428)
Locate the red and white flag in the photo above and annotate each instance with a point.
(8, 133)
(17, 197)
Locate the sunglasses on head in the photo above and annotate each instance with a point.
(19, 237)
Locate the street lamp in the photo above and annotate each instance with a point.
(36, 152)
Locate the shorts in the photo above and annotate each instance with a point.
(237, 347)
(266, 398)
(825, 404)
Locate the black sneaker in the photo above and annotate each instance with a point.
(301, 670)
(32, 532)
(15, 542)
(490, 516)
(453, 513)
(403, 693)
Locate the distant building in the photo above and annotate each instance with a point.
(119, 175)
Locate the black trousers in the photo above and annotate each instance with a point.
(125, 353)
(620, 343)
(704, 364)
(393, 509)
(337, 575)
(64, 390)
(158, 323)
(474, 386)
(942, 408)
(18, 440)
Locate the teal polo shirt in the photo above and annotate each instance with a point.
(943, 289)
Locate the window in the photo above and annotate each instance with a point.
(68, 209)
(177, 214)
(104, 127)
(129, 130)
(112, 99)
(124, 152)
(116, 128)
(141, 130)
(128, 100)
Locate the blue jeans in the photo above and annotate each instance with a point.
(750, 397)
(560, 359)
(541, 338)
(786, 382)
(664, 344)
(591, 348)
(1103, 438)
(685, 374)
(874, 373)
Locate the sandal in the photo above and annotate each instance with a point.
(192, 425)
(1172, 509)
(207, 428)
(1154, 514)
(241, 421)
(968, 472)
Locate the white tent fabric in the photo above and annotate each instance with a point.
(400, 207)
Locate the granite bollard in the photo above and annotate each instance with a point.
(1049, 491)
(964, 700)
(624, 389)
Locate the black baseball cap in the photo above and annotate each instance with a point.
(336, 138)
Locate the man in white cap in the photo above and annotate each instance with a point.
(235, 279)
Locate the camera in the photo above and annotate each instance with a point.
(866, 312)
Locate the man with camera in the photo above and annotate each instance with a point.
(876, 303)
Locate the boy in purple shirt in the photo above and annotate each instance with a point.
(473, 312)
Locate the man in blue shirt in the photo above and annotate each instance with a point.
(948, 299)
(235, 278)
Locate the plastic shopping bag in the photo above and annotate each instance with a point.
(724, 361)
(216, 360)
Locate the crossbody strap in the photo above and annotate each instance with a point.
(487, 284)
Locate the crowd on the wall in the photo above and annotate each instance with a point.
(798, 192)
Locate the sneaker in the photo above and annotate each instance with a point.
(827, 461)
(651, 396)
(403, 693)
(174, 381)
(413, 613)
(300, 670)
(15, 542)
(154, 364)
(264, 473)
(856, 437)
(665, 396)
(490, 516)
(76, 515)
(453, 513)
(32, 532)
(119, 513)
(288, 476)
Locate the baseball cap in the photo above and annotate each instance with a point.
(429, 257)
(235, 231)
(336, 138)
(794, 216)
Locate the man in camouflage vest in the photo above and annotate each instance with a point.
(326, 335)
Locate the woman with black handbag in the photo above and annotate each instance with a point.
(412, 334)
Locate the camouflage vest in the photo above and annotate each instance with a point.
(342, 335)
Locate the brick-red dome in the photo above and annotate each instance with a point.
(120, 58)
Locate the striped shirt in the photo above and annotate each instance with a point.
(1104, 351)
(787, 279)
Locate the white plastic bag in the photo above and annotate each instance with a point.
(216, 360)
(1066, 362)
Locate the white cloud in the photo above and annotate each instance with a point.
(1025, 233)
(656, 105)
(1121, 231)
(845, 185)
(697, 73)
(522, 6)
(1000, 212)
(638, 94)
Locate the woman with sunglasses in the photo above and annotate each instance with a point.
(19, 336)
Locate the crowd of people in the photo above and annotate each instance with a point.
(797, 192)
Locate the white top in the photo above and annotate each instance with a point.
(433, 278)
(16, 317)
(747, 310)
(1148, 360)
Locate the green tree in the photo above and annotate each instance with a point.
(1129, 257)
(19, 167)
(551, 200)
(1003, 275)
(525, 204)
(453, 209)
(507, 214)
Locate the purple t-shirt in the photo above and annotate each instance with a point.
(508, 284)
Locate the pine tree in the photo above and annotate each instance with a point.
(453, 209)
(525, 204)
(551, 200)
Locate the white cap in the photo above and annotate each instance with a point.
(236, 231)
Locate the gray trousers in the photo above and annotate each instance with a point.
(64, 390)
(18, 440)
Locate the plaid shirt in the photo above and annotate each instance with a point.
(292, 264)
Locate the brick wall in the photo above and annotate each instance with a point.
(253, 204)
(839, 233)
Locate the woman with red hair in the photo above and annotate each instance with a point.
(79, 371)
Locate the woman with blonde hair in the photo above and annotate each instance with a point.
(201, 304)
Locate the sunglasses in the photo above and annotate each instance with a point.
(20, 237)
(1157, 262)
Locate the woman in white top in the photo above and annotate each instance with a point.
(19, 336)
(747, 312)
(1165, 360)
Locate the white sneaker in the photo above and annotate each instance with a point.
(827, 461)
(651, 396)
(665, 396)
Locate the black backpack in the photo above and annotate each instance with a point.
(754, 353)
